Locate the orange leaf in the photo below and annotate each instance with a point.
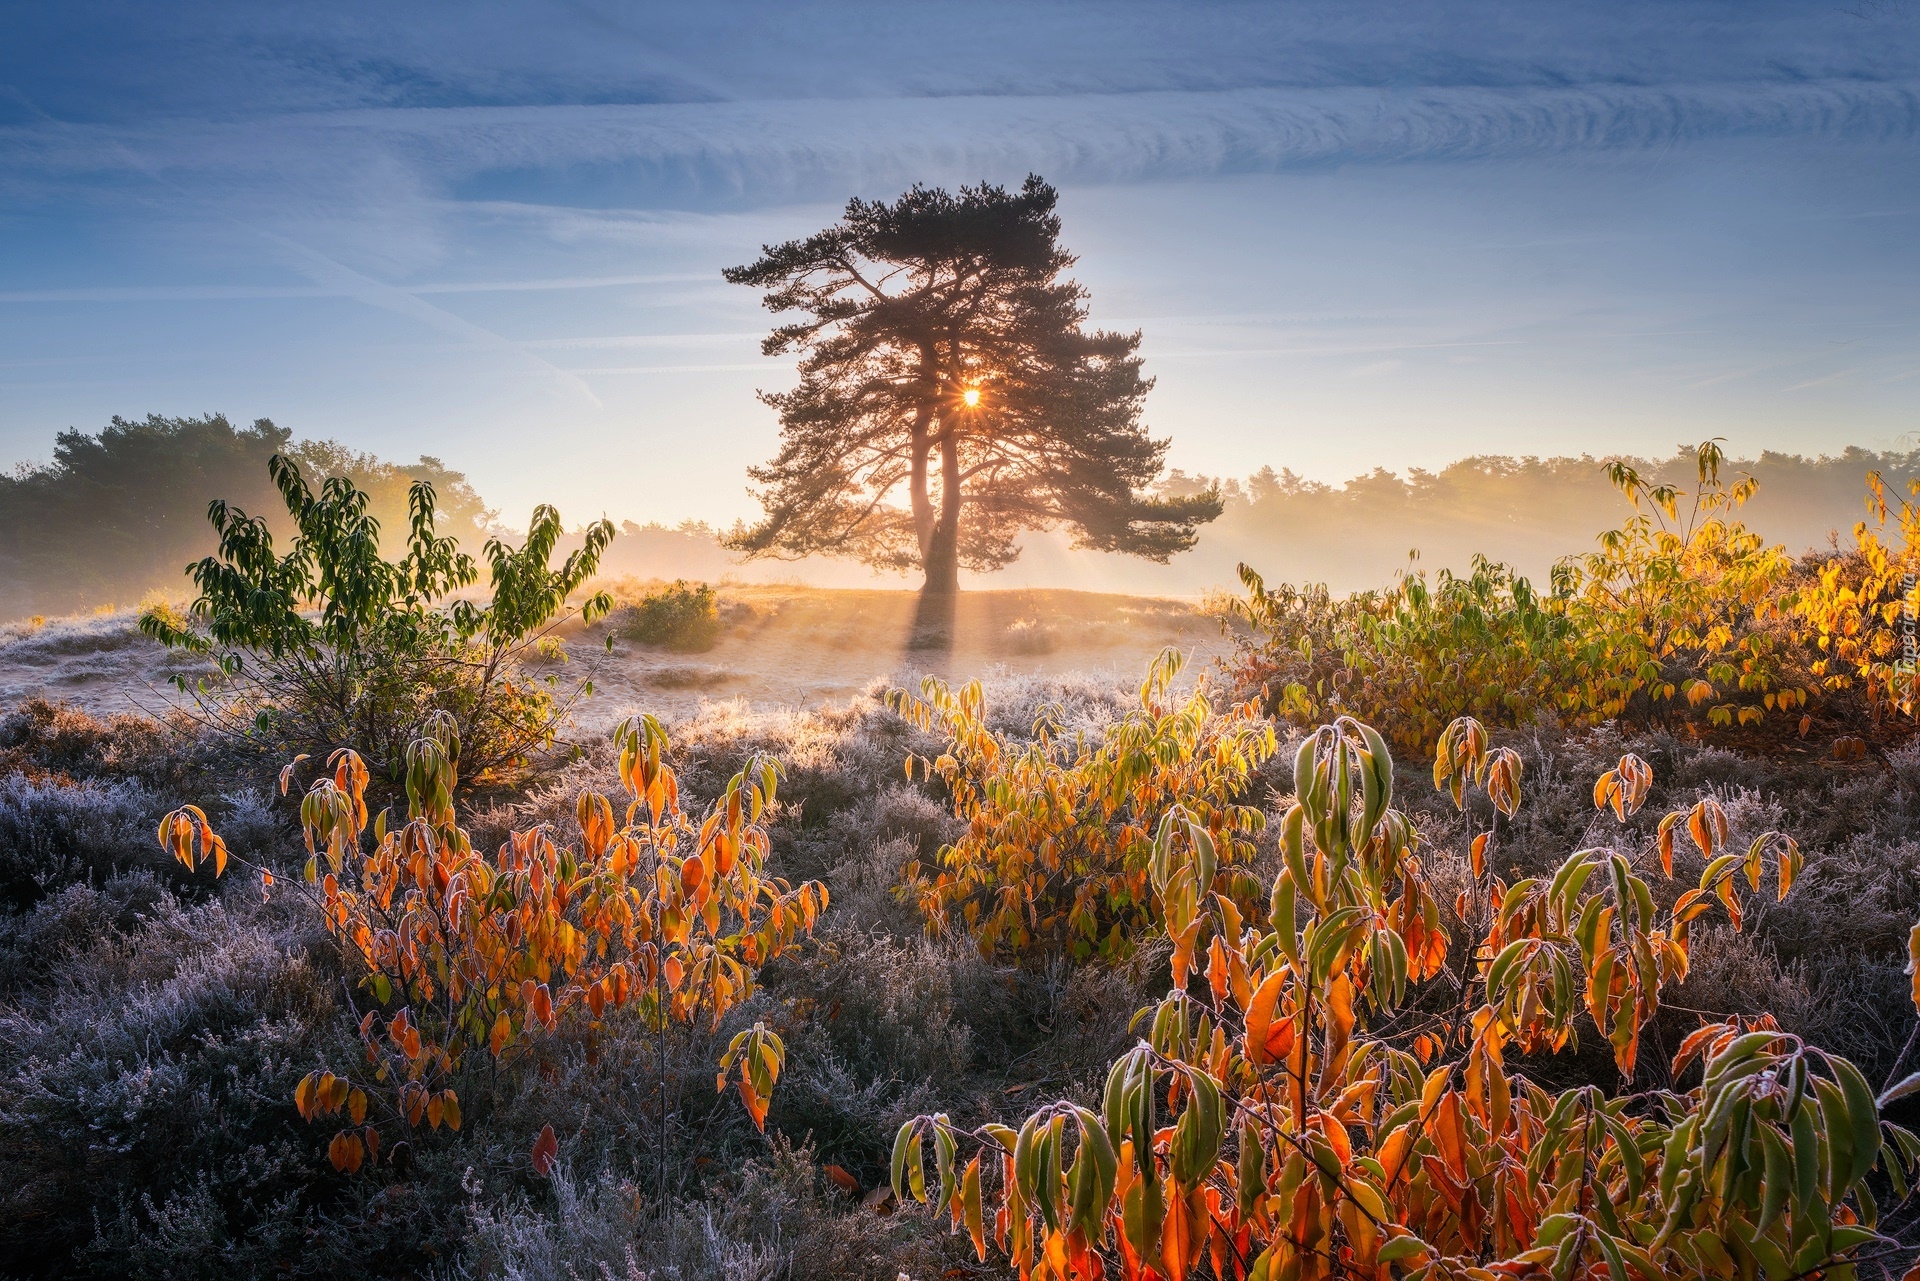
(1450, 1135)
(1217, 978)
(1393, 1153)
(546, 1149)
(970, 1209)
(841, 1178)
(756, 1104)
(1913, 962)
(1178, 1246)
(502, 1033)
(1268, 1038)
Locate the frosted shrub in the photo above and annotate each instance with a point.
(55, 834)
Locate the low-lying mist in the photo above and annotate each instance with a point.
(1527, 512)
(119, 515)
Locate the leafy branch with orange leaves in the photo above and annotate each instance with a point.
(1275, 1122)
(1055, 857)
(461, 956)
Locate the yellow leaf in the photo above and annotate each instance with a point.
(970, 1209)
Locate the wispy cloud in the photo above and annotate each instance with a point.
(362, 288)
(214, 293)
(555, 184)
(780, 152)
(1834, 377)
(649, 340)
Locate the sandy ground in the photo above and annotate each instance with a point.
(782, 647)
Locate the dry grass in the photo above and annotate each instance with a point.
(98, 662)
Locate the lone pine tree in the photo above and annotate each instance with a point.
(942, 352)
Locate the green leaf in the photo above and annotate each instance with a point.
(1405, 1247)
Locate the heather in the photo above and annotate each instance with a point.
(156, 1022)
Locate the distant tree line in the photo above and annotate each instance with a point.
(1527, 512)
(122, 512)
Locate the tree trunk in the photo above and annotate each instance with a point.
(919, 447)
(942, 556)
(923, 520)
(943, 564)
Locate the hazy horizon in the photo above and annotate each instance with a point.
(125, 512)
(1353, 235)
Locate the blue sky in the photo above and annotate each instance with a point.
(1355, 234)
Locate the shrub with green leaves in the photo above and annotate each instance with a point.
(329, 643)
(1681, 612)
(681, 616)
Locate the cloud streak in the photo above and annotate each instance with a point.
(762, 153)
(349, 283)
(221, 293)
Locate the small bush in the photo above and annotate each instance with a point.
(683, 616)
(150, 1074)
(38, 737)
(1032, 636)
(1054, 859)
(494, 955)
(330, 644)
(37, 946)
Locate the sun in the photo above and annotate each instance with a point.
(972, 396)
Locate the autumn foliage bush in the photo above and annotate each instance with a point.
(1057, 853)
(1289, 1111)
(459, 954)
(1680, 615)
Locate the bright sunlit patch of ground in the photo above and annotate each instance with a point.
(801, 646)
(779, 647)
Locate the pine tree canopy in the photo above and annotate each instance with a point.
(950, 396)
